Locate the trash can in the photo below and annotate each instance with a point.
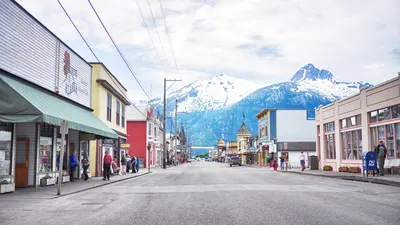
(369, 163)
(313, 162)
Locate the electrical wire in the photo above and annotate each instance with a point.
(120, 53)
(95, 56)
(167, 31)
(159, 37)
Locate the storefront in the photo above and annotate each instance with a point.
(348, 127)
(36, 96)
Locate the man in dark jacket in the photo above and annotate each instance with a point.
(72, 165)
(381, 152)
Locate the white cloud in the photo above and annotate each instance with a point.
(349, 38)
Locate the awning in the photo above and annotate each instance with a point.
(21, 102)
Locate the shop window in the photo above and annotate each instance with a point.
(354, 144)
(373, 117)
(381, 133)
(123, 115)
(109, 105)
(329, 127)
(384, 114)
(360, 149)
(358, 120)
(396, 111)
(390, 140)
(46, 148)
(5, 150)
(330, 146)
(348, 146)
(352, 121)
(118, 114)
(155, 132)
(374, 137)
(149, 131)
(344, 150)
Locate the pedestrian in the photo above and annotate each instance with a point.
(128, 163)
(282, 162)
(266, 161)
(107, 166)
(85, 165)
(133, 163)
(302, 161)
(286, 157)
(137, 164)
(123, 165)
(72, 165)
(381, 152)
(275, 164)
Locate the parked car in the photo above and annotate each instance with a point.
(235, 160)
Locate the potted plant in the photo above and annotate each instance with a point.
(343, 169)
(47, 180)
(6, 187)
(65, 177)
(328, 168)
(354, 169)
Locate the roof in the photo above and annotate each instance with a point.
(25, 102)
(264, 111)
(221, 142)
(243, 130)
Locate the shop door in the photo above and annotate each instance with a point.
(21, 162)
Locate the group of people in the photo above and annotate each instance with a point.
(126, 162)
(273, 161)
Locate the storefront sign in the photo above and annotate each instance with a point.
(125, 145)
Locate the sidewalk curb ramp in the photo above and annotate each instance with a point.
(102, 185)
(352, 178)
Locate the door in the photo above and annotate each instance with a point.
(22, 162)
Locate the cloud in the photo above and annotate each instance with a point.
(271, 39)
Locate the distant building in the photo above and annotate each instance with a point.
(243, 136)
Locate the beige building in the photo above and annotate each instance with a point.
(348, 127)
(243, 136)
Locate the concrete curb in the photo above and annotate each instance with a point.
(102, 185)
(353, 178)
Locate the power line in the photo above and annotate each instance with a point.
(91, 50)
(159, 37)
(169, 40)
(120, 53)
(151, 39)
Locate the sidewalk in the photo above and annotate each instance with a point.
(392, 180)
(50, 192)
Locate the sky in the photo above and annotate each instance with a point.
(264, 41)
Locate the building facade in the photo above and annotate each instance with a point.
(348, 127)
(144, 129)
(243, 135)
(280, 128)
(43, 83)
(109, 103)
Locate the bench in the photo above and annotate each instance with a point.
(391, 165)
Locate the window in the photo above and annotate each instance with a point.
(397, 147)
(46, 148)
(344, 149)
(373, 117)
(344, 123)
(390, 140)
(374, 137)
(396, 111)
(352, 145)
(330, 146)
(118, 114)
(351, 121)
(149, 131)
(5, 150)
(358, 120)
(155, 132)
(329, 127)
(109, 105)
(384, 114)
(123, 115)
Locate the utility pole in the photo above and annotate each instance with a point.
(165, 114)
(64, 131)
(176, 128)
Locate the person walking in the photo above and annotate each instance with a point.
(123, 165)
(137, 164)
(381, 152)
(107, 166)
(282, 162)
(302, 161)
(72, 165)
(85, 165)
(133, 163)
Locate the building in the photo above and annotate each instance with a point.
(243, 136)
(109, 103)
(350, 126)
(144, 129)
(276, 127)
(43, 83)
(182, 147)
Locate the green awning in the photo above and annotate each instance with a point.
(21, 102)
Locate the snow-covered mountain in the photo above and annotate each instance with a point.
(216, 93)
(216, 107)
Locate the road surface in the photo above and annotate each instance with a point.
(213, 193)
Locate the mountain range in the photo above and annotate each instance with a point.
(216, 108)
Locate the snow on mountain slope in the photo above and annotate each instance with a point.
(219, 92)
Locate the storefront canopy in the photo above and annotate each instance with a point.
(21, 102)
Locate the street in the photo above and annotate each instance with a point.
(214, 193)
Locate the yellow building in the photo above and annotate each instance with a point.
(243, 136)
(109, 103)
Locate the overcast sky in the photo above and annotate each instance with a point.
(260, 40)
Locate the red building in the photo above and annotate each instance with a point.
(137, 131)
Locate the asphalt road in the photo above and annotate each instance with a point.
(212, 193)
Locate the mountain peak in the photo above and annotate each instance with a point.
(309, 72)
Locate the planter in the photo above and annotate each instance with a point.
(354, 170)
(65, 179)
(47, 181)
(7, 188)
(328, 168)
(343, 169)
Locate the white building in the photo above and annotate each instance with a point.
(350, 126)
(276, 127)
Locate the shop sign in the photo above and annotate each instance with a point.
(108, 142)
(125, 145)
